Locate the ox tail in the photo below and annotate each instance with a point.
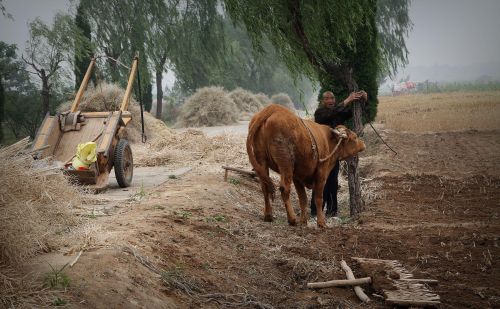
(255, 125)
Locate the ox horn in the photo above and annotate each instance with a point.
(341, 134)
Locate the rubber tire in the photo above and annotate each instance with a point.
(123, 163)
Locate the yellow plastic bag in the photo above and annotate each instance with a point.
(85, 155)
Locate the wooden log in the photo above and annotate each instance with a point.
(234, 169)
(349, 282)
(359, 292)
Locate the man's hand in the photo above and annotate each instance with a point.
(355, 96)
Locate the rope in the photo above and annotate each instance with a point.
(311, 137)
(333, 151)
(395, 153)
(115, 60)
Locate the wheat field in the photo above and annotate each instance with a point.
(454, 111)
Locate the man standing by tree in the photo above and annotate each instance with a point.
(331, 114)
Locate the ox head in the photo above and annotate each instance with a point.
(350, 144)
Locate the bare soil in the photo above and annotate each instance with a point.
(199, 242)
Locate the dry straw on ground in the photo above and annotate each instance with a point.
(209, 106)
(35, 214)
(36, 203)
(284, 100)
(441, 111)
(246, 102)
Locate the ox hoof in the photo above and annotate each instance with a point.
(322, 225)
(292, 222)
(268, 218)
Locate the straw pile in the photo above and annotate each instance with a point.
(208, 106)
(263, 99)
(192, 146)
(36, 204)
(246, 102)
(284, 100)
(108, 97)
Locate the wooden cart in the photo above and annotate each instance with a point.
(60, 135)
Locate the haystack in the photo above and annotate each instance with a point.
(209, 106)
(108, 97)
(263, 99)
(246, 102)
(284, 100)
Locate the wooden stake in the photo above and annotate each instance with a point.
(76, 259)
(327, 284)
(359, 292)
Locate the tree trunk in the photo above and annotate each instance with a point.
(159, 93)
(45, 93)
(355, 201)
(2, 108)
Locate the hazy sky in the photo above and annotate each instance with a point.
(445, 32)
(454, 32)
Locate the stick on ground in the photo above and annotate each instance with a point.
(359, 292)
(327, 284)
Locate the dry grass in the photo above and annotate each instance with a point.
(209, 106)
(36, 203)
(441, 112)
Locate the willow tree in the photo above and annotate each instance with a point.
(48, 48)
(336, 42)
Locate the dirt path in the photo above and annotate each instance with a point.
(197, 241)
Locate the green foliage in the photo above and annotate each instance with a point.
(57, 278)
(364, 61)
(59, 302)
(393, 25)
(83, 48)
(335, 42)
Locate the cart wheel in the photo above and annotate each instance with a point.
(123, 163)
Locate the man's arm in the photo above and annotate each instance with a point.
(324, 115)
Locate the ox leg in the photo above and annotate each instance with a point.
(318, 200)
(301, 192)
(285, 186)
(268, 210)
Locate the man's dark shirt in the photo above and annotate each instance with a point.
(334, 116)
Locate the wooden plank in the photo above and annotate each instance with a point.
(419, 303)
(48, 134)
(69, 141)
(109, 133)
(125, 114)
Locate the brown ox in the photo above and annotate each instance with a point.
(280, 140)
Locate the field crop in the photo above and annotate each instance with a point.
(453, 111)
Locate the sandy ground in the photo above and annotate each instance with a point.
(195, 241)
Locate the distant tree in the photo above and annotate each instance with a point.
(8, 65)
(48, 47)
(161, 31)
(83, 49)
(393, 24)
(4, 11)
(120, 29)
